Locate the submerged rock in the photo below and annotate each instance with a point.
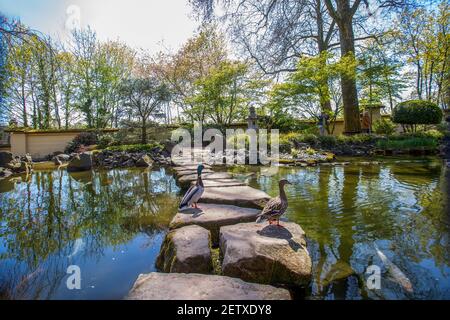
(263, 253)
(186, 250)
(61, 158)
(212, 217)
(144, 161)
(181, 286)
(80, 162)
(4, 172)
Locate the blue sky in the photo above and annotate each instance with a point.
(140, 23)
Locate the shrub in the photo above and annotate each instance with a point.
(327, 141)
(414, 112)
(309, 138)
(84, 138)
(354, 139)
(384, 126)
(408, 143)
(105, 141)
(433, 133)
(136, 147)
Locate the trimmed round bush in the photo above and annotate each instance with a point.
(417, 112)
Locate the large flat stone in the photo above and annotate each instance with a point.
(190, 167)
(212, 217)
(186, 250)
(262, 253)
(191, 172)
(182, 286)
(206, 176)
(242, 196)
(221, 183)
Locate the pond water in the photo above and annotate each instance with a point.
(111, 224)
(348, 211)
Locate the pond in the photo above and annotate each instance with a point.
(111, 224)
(397, 204)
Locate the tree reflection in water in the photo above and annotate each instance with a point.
(42, 218)
(344, 210)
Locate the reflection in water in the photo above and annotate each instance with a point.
(110, 223)
(345, 210)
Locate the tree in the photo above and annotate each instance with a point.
(143, 98)
(223, 95)
(379, 74)
(191, 63)
(424, 37)
(18, 68)
(100, 69)
(84, 50)
(307, 88)
(276, 34)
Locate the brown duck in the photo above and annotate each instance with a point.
(276, 207)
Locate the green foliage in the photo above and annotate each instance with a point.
(379, 74)
(137, 147)
(428, 140)
(84, 138)
(223, 95)
(384, 126)
(415, 112)
(355, 139)
(406, 143)
(327, 141)
(105, 141)
(433, 133)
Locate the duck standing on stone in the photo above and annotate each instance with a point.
(194, 193)
(275, 208)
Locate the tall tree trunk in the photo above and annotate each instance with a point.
(322, 45)
(24, 106)
(144, 131)
(348, 81)
(343, 16)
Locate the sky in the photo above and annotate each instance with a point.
(145, 24)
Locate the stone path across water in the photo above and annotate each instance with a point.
(212, 217)
(225, 202)
(192, 286)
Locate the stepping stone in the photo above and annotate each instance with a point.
(206, 176)
(242, 196)
(212, 217)
(263, 253)
(221, 183)
(192, 168)
(186, 250)
(191, 286)
(192, 172)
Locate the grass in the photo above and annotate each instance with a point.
(215, 256)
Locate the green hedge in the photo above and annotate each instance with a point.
(414, 112)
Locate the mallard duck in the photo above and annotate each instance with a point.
(275, 207)
(194, 193)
